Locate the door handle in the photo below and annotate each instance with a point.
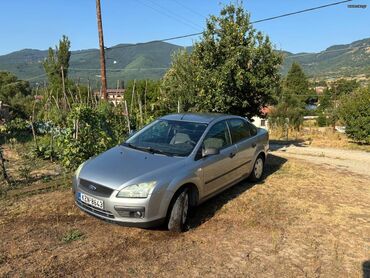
(231, 155)
(254, 145)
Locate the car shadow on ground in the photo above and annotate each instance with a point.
(366, 269)
(208, 209)
(276, 145)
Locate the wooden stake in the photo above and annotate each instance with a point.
(64, 89)
(140, 109)
(132, 96)
(127, 117)
(4, 171)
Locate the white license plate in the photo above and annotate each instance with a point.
(90, 200)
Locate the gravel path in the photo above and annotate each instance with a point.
(350, 160)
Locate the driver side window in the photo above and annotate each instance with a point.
(217, 137)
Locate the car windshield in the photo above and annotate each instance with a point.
(168, 137)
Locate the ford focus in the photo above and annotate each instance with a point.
(169, 167)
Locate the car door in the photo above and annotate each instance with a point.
(218, 168)
(243, 137)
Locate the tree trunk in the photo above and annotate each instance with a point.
(3, 167)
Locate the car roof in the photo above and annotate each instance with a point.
(196, 117)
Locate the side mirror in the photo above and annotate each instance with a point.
(210, 151)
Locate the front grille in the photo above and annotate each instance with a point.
(95, 210)
(100, 190)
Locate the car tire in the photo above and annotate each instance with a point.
(258, 168)
(179, 211)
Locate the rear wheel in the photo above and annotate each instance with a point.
(178, 213)
(258, 168)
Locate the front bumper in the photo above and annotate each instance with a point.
(141, 224)
(145, 213)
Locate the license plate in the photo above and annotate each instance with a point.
(90, 200)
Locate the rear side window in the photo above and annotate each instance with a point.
(239, 130)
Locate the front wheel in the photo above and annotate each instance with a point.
(257, 170)
(178, 213)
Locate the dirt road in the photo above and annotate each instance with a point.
(344, 160)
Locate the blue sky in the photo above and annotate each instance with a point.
(41, 23)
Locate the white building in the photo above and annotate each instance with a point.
(260, 122)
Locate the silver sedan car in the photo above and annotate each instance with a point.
(169, 167)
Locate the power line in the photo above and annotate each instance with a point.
(185, 19)
(253, 22)
(302, 11)
(189, 9)
(199, 33)
(82, 52)
(168, 13)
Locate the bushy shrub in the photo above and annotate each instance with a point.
(321, 120)
(46, 147)
(89, 131)
(354, 112)
(17, 127)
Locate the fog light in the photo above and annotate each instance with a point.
(130, 212)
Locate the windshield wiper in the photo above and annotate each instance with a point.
(147, 149)
(152, 150)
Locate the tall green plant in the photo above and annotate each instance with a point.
(232, 69)
(57, 63)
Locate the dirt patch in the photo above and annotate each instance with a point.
(352, 161)
(302, 220)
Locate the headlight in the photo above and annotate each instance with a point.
(77, 173)
(141, 190)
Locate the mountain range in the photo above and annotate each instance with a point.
(151, 60)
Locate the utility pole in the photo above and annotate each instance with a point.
(102, 54)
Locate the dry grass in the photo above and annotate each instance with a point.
(301, 221)
(319, 137)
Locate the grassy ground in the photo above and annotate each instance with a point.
(303, 220)
(318, 137)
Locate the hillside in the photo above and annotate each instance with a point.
(140, 61)
(338, 60)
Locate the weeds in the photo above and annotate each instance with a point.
(72, 235)
(2, 258)
(25, 173)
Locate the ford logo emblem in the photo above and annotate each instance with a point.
(92, 187)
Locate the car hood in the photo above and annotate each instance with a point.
(121, 164)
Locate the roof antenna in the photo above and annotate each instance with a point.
(183, 115)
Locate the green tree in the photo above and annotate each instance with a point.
(57, 63)
(16, 93)
(233, 69)
(344, 87)
(354, 112)
(296, 85)
(295, 92)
